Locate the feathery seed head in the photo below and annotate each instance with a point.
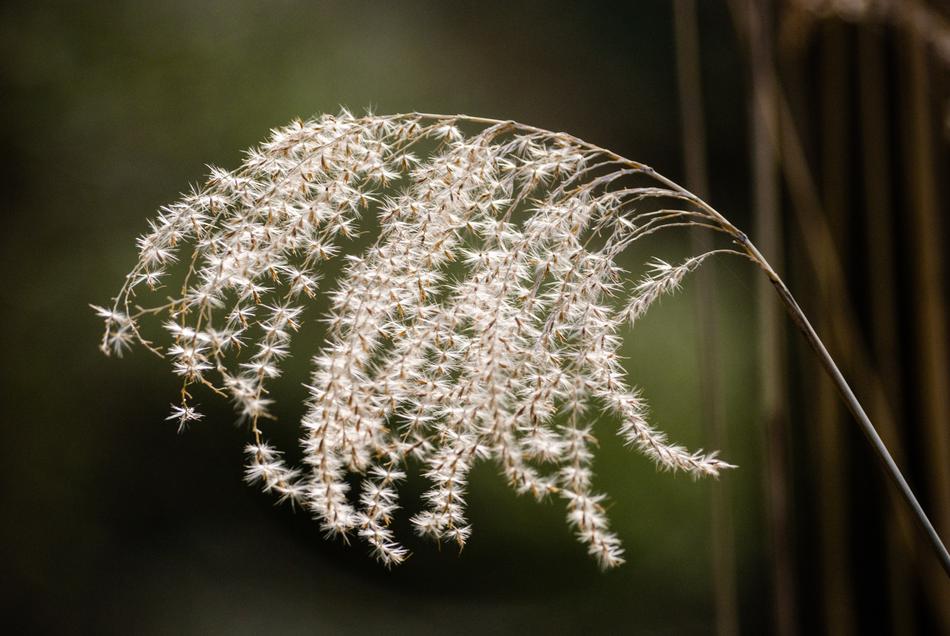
(481, 324)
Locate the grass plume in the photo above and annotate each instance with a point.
(481, 324)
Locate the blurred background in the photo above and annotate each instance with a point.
(820, 126)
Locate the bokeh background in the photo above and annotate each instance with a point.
(823, 127)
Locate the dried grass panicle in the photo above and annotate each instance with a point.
(482, 324)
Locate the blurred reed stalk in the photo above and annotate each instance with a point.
(933, 383)
(755, 18)
(829, 444)
(930, 308)
(689, 80)
(880, 265)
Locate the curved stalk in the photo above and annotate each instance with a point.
(864, 422)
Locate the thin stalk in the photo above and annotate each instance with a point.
(694, 155)
(864, 422)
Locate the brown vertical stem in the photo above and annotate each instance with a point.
(929, 300)
(829, 446)
(694, 156)
(881, 273)
(771, 332)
